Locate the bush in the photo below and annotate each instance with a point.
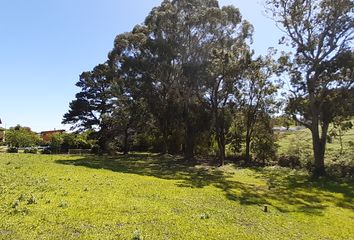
(31, 150)
(341, 171)
(289, 161)
(264, 147)
(12, 150)
(301, 149)
(341, 167)
(46, 151)
(96, 150)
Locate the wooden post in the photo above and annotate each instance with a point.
(265, 208)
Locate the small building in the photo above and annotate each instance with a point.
(47, 135)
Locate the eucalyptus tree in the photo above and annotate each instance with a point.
(169, 56)
(321, 67)
(143, 63)
(256, 98)
(178, 25)
(212, 48)
(163, 69)
(228, 38)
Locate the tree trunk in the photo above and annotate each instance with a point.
(189, 141)
(221, 146)
(248, 148)
(189, 144)
(340, 141)
(164, 149)
(220, 138)
(103, 139)
(126, 142)
(319, 148)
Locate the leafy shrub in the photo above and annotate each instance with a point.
(264, 148)
(342, 167)
(46, 151)
(21, 137)
(263, 145)
(96, 149)
(301, 149)
(31, 150)
(12, 150)
(289, 161)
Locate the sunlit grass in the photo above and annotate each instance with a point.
(155, 197)
(302, 141)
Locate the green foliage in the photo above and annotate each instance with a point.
(283, 121)
(55, 142)
(338, 164)
(12, 150)
(321, 68)
(264, 144)
(236, 135)
(174, 77)
(340, 127)
(76, 141)
(290, 161)
(62, 142)
(178, 82)
(46, 151)
(261, 136)
(31, 150)
(21, 137)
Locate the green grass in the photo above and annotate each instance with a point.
(153, 197)
(302, 141)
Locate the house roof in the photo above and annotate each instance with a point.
(52, 131)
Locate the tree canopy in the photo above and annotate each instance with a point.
(321, 67)
(187, 80)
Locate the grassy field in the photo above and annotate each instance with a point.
(153, 197)
(300, 142)
(304, 136)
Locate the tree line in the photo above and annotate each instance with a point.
(188, 81)
(23, 137)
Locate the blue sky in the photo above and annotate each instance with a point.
(45, 45)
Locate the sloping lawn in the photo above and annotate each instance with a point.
(152, 197)
(302, 140)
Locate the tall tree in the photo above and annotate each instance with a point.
(169, 56)
(321, 68)
(257, 96)
(191, 57)
(230, 55)
(92, 103)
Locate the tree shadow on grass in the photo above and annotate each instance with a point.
(306, 193)
(285, 190)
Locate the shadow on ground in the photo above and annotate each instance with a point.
(285, 190)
